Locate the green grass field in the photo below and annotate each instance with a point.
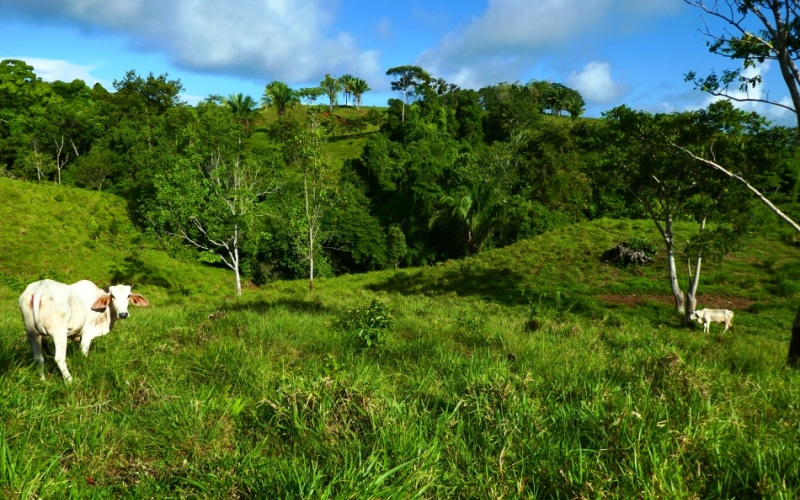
(534, 370)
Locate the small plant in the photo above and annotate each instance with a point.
(370, 323)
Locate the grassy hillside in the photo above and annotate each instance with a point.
(533, 370)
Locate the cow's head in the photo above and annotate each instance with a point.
(118, 297)
(696, 315)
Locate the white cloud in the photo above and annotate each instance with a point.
(595, 84)
(51, 70)
(513, 36)
(285, 40)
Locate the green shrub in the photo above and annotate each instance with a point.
(370, 323)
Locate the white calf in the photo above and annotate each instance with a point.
(81, 309)
(708, 316)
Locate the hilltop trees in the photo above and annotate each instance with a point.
(280, 96)
(358, 87)
(345, 82)
(331, 87)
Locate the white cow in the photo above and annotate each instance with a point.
(708, 316)
(81, 309)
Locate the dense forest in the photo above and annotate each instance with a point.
(440, 173)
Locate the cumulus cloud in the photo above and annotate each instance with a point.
(274, 39)
(777, 114)
(513, 35)
(51, 70)
(595, 84)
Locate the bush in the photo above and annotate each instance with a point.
(370, 323)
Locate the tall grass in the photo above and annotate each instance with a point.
(505, 375)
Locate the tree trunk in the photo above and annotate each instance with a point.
(680, 298)
(691, 297)
(311, 275)
(236, 271)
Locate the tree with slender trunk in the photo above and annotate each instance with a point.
(358, 87)
(280, 96)
(345, 81)
(407, 78)
(305, 151)
(212, 203)
(331, 87)
(776, 39)
(670, 187)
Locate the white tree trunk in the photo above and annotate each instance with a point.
(236, 271)
(691, 297)
(669, 239)
(310, 259)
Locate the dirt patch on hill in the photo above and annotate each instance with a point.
(710, 301)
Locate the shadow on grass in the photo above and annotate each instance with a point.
(501, 285)
(133, 270)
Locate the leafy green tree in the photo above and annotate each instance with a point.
(23, 118)
(775, 39)
(673, 187)
(243, 108)
(309, 95)
(407, 78)
(396, 244)
(574, 104)
(305, 151)
(279, 95)
(213, 204)
(135, 115)
(358, 87)
(478, 212)
(331, 87)
(511, 110)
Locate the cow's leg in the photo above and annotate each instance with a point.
(60, 342)
(35, 340)
(86, 341)
(706, 326)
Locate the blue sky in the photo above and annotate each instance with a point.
(612, 51)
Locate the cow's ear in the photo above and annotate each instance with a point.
(138, 300)
(101, 303)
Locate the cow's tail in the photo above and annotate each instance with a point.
(36, 304)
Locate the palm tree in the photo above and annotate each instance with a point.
(358, 87)
(345, 81)
(330, 86)
(478, 212)
(279, 95)
(243, 107)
